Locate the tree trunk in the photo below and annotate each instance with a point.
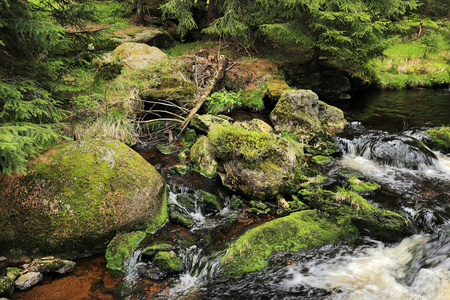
(140, 12)
(315, 59)
(213, 11)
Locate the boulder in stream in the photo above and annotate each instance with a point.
(28, 280)
(299, 113)
(202, 155)
(298, 231)
(76, 196)
(257, 164)
(345, 204)
(119, 250)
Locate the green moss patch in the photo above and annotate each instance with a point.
(120, 248)
(440, 139)
(298, 231)
(321, 160)
(168, 261)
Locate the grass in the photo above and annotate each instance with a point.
(416, 62)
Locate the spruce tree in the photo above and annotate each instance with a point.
(30, 113)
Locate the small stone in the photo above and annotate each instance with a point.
(181, 169)
(283, 203)
(27, 280)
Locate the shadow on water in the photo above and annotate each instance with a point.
(396, 111)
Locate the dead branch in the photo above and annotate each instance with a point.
(157, 120)
(222, 64)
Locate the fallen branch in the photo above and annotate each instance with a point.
(157, 120)
(223, 61)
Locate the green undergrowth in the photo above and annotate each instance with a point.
(416, 61)
(227, 101)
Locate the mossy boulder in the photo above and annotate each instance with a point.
(296, 232)
(202, 123)
(76, 196)
(276, 88)
(370, 220)
(202, 156)
(119, 250)
(6, 287)
(138, 56)
(359, 186)
(168, 261)
(209, 203)
(321, 160)
(300, 114)
(440, 139)
(257, 164)
(153, 249)
(13, 273)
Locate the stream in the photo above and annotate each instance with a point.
(381, 144)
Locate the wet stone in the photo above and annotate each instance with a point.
(27, 280)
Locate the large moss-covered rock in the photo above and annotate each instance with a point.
(120, 248)
(255, 163)
(300, 113)
(298, 231)
(76, 196)
(370, 220)
(202, 155)
(168, 261)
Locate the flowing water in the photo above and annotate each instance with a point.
(382, 144)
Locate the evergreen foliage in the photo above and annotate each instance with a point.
(352, 30)
(31, 84)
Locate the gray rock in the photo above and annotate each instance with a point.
(156, 38)
(202, 155)
(203, 122)
(27, 280)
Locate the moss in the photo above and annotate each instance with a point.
(189, 138)
(168, 261)
(166, 148)
(179, 218)
(276, 87)
(209, 203)
(160, 217)
(357, 185)
(6, 287)
(76, 196)
(119, 250)
(321, 160)
(152, 250)
(296, 232)
(234, 141)
(202, 156)
(181, 169)
(13, 273)
(440, 139)
(371, 220)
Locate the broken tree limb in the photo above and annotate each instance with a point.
(222, 64)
